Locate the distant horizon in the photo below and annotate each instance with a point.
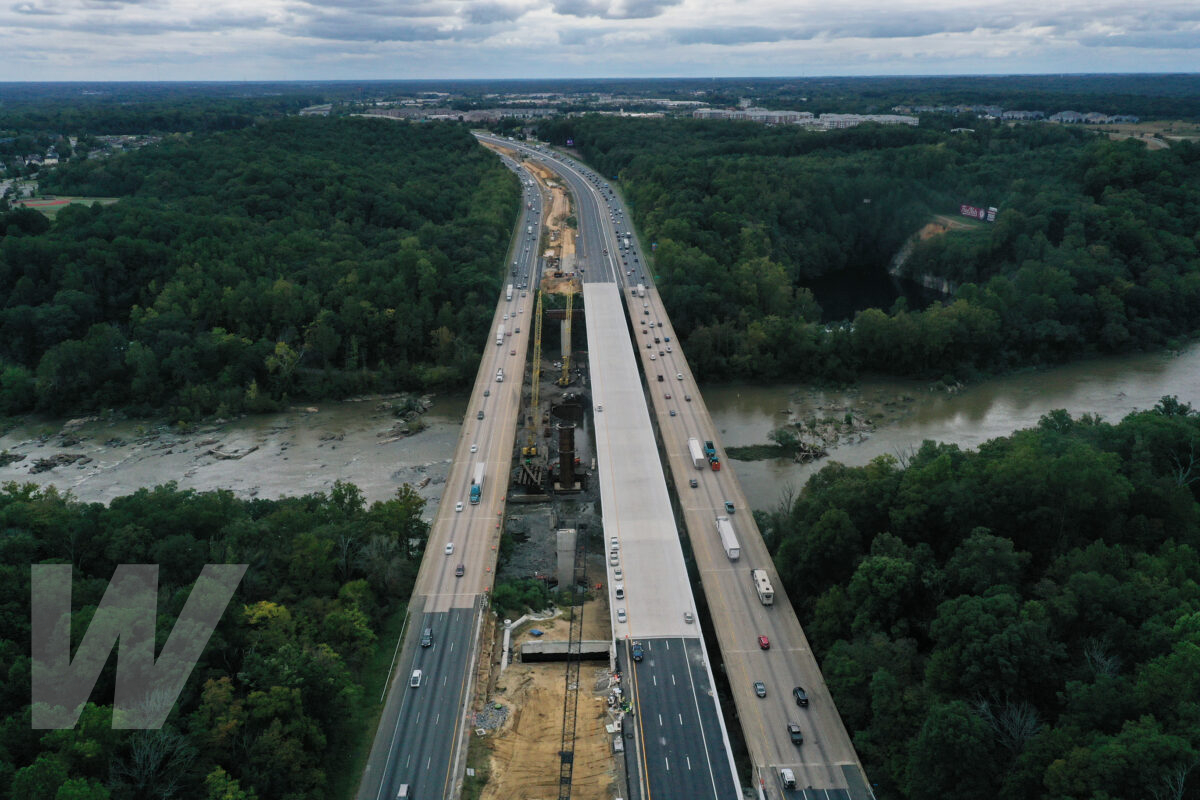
(560, 79)
(414, 40)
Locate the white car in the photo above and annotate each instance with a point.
(457, 507)
(620, 615)
(450, 547)
(618, 574)
(474, 448)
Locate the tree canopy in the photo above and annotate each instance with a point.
(278, 690)
(1018, 621)
(306, 256)
(1094, 249)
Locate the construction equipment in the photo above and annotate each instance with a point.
(566, 752)
(531, 448)
(565, 378)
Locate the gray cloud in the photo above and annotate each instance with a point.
(734, 35)
(488, 13)
(613, 9)
(1152, 40)
(369, 31)
(30, 8)
(117, 25)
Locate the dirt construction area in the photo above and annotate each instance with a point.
(524, 752)
(559, 211)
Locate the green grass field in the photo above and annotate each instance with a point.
(50, 206)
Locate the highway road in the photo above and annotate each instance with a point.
(826, 762)
(418, 741)
(827, 759)
(682, 746)
(683, 751)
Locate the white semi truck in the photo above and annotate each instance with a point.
(500, 336)
(729, 540)
(697, 452)
(508, 294)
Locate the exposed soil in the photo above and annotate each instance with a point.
(561, 237)
(524, 752)
(941, 224)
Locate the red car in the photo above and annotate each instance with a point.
(667, 395)
(764, 643)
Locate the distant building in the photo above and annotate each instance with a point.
(762, 115)
(832, 121)
(1067, 117)
(317, 111)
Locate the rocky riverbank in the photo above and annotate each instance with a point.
(376, 442)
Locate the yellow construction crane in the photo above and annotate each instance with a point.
(534, 411)
(566, 376)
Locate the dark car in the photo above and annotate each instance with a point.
(427, 637)
(479, 415)
(692, 482)
(800, 695)
(459, 570)
(760, 688)
(795, 734)
(638, 652)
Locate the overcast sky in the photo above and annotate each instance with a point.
(348, 39)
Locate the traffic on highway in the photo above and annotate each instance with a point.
(767, 657)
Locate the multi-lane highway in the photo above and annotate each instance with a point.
(417, 743)
(682, 749)
(826, 759)
(825, 764)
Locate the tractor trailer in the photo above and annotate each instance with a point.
(698, 457)
(508, 294)
(477, 483)
(500, 336)
(641, 289)
(729, 539)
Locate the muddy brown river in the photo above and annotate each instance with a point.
(307, 449)
(1110, 387)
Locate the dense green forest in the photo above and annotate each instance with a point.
(130, 108)
(275, 706)
(1095, 249)
(1021, 621)
(306, 256)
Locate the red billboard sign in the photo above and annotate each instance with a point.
(975, 212)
